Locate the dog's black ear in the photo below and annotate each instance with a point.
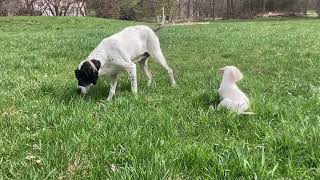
(96, 63)
(95, 76)
(76, 73)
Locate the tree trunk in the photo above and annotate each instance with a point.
(29, 7)
(1, 1)
(305, 7)
(318, 7)
(2, 11)
(67, 9)
(213, 7)
(83, 8)
(250, 14)
(229, 7)
(179, 10)
(264, 6)
(170, 15)
(163, 16)
(194, 11)
(188, 9)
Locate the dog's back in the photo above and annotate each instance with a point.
(139, 33)
(127, 44)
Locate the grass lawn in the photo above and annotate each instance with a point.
(47, 131)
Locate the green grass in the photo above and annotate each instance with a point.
(47, 131)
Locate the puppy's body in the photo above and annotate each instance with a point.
(121, 51)
(232, 97)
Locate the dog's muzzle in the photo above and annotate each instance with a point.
(79, 91)
(83, 90)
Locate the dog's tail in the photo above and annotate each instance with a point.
(248, 113)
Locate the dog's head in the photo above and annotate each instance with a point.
(232, 73)
(87, 75)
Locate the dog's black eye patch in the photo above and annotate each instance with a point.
(79, 74)
(83, 79)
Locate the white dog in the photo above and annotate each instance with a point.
(232, 97)
(119, 53)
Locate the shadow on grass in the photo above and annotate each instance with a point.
(206, 100)
(66, 93)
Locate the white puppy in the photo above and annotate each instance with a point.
(119, 53)
(232, 97)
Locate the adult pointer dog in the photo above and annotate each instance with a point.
(119, 53)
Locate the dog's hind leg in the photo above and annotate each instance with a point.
(144, 67)
(226, 103)
(113, 86)
(162, 61)
(235, 106)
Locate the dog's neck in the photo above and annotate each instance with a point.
(227, 81)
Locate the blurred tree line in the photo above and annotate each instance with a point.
(174, 10)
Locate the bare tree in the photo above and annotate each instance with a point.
(264, 6)
(3, 10)
(58, 7)
(144, 9)
(213, 15)
(29, 6)
(81, 7)
(317, 7)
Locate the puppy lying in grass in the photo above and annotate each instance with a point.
(232, 97)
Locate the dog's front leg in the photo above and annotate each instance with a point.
(113, 86)
(132, 71)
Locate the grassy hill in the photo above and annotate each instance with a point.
(48, 131)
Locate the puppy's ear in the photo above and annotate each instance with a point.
(221, 71)
(237, 75)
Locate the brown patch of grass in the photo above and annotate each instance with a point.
(72, 169)
(9, 111)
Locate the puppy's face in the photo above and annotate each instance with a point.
(232, 73)
(86, 76)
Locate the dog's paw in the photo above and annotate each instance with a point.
(108, 99)
(212, 107)
(174, 84)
